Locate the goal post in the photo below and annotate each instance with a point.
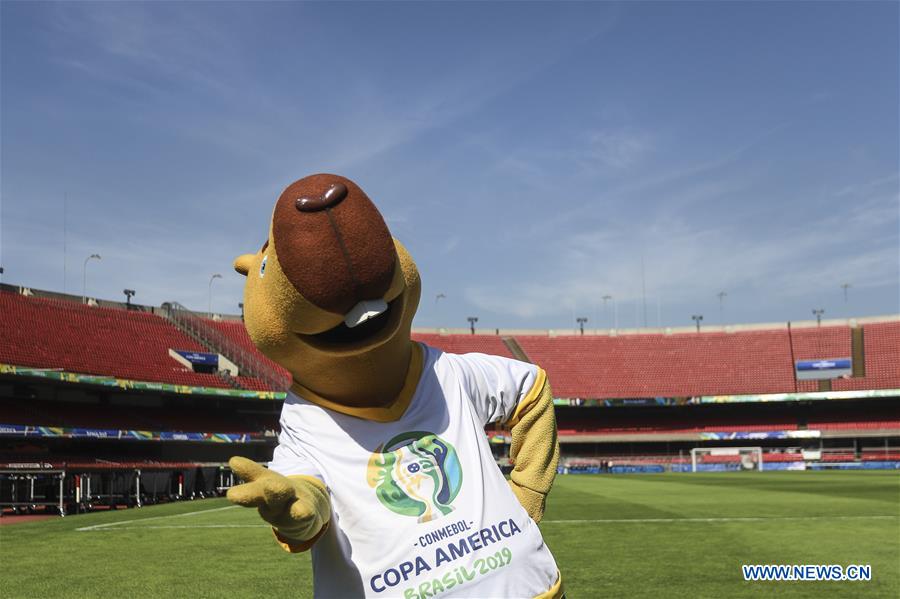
(747, 458)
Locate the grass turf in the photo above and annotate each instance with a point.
(682, 536)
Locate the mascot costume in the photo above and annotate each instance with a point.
(383, 468)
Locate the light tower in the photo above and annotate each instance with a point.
(697, 318)
(605, 298)
(721, 295)
(818, 312)
(209, 306)
(84, 276)
(845, 287)
(581, 320)
(472, 320)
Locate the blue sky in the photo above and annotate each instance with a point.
(531, 156)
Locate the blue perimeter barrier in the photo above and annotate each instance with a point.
(767, 467)
(891, 465)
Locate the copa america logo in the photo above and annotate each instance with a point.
(416, 474)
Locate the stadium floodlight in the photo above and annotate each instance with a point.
(615, 310)
(472, 320)
(209, 306)
(721, 295)
(581, 320)
(129, 293)
(697, 318)
(818, 312)
(84, 276)
(844, 286)
(241, 306)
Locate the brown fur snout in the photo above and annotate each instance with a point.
(338, 253)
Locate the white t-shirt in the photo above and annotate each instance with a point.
(420, 508)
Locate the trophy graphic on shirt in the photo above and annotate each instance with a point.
(416, 474)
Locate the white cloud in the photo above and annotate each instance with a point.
(688, 261)
(618, 149)
(866, 188)
(450, 244)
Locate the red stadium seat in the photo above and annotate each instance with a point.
(49, 333)
(63, 335)
(235, 330)
(464, 344)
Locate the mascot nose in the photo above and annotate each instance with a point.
(332, 196)
(334, 246)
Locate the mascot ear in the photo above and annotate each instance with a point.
(243, 263)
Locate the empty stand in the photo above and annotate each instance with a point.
(72, 337)
(464, 344)
(684, 365)
(64, 335)
(236, 332)
(664, 365)
(882, 348)
(248, 361)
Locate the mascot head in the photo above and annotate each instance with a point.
(330, 289)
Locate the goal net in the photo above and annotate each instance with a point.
(720, 459)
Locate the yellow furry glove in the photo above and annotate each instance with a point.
(297, 507)
(534, 451)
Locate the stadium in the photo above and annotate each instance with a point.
(108, 406)
(240, 243)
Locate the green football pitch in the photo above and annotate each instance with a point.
(661, 535)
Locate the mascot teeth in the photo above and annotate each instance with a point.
(365, 310)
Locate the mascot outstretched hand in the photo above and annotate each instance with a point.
(383, 469)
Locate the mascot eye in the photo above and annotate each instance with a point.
(262, 266)
(413, 467)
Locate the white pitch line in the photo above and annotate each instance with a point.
(117, 525)
(111, 524)
(726, 519)
(176, 526)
